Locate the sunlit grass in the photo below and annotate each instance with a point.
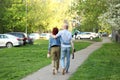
(103, 64)
(18, 62)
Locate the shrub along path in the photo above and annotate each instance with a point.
(80, 56)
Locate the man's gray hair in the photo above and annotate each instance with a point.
(66, 25)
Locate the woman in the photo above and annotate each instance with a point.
(54, 50)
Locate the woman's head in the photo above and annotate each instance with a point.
(55, 31)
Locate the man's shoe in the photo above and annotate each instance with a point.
(66, 71)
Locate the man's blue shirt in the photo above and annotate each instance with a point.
(65, 37)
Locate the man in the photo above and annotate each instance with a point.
(66, 43)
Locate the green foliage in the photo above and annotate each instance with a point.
(113, 17)
(32, 15)
(43, 15)
(110, 19)
(12, 18)
(3, 5)
(103, 64)
(90, 10)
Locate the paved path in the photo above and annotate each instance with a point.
(80, 56)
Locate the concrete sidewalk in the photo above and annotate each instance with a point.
(80, 56)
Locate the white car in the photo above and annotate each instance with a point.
(7, 40)
(86, 35)
(45, 35)
(34, 36)
(110, 35)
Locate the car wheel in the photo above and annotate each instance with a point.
(91, 38)
(9, 45)
(79, 37)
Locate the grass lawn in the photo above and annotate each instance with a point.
(97, 39)
(17, 62)
(103, 64)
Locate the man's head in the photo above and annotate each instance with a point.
(65, 26)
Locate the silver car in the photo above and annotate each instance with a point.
(9, 41)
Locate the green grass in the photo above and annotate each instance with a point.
(97, 39)
(81, 45)
(103, 64)
(18, 62)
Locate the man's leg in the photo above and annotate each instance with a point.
(68, 59)
(62, 59)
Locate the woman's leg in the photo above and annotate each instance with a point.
(53, 59)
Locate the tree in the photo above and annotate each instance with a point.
(12, 18)
(32, 15)
(90, 10)
(3, 5)
(114, 19)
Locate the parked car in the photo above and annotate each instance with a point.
(9, 41)
(86, 35)
(110, 35)
(29, 40)
(34, 36)
(21, 35)
(104, 34)
(45, 35)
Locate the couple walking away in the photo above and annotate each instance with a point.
(60, 43)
